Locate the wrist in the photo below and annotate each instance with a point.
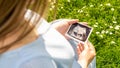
(83, 64)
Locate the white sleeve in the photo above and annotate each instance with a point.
(38, 62)
(76, 64)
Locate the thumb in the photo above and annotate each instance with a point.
(86, 46)
(72, 21)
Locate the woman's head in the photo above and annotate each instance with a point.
(12, 17)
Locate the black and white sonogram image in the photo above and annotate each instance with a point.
(79, 31)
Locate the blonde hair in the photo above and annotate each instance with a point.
(12, 17)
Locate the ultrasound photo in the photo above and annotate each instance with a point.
(79, 32)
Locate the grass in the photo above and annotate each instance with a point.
(104, 17)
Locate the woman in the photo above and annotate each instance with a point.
(25, 44)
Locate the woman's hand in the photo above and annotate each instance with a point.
(63, 25)
(86, 53)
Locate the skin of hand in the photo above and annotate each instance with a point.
(86, 53)
(62, 26)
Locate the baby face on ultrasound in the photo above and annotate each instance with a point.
(79, 33)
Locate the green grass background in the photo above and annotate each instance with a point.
(104, 17)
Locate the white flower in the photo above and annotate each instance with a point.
(114, 17)
(111, 33)
(101, 4)
(103, 31)
(80, 11)
(108, 4)
(112, 9)
(112, 42)
(95, 25)
(106, 32)
(87, 14)
(53, 6)
(84, 7)
(101, 36)
(111, 27)
(117, 27)
(91, 5)
(52, 3)
(105, 24)
(50, 9)
(97, 32)
(114, 21)
(61, 7)
(68, 0)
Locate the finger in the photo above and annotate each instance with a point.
(81, 47)
(86, 46)
(78, 50)
(72, 21)
(90, 45)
